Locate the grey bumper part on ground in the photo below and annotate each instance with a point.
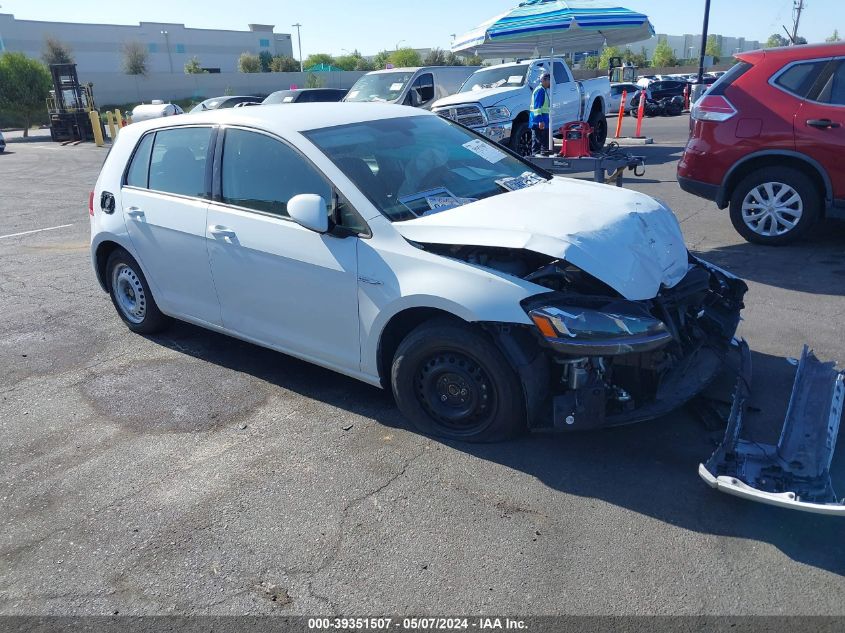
(795, 473)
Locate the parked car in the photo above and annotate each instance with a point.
(616, 91)
(767, 140)
(305, 95)
(416, 87)
(155, 110)
(411, 253)
(2, 143)
(495, 101)
(216, 103)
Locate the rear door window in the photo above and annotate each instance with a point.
(179, 158)
(139, 169)
(424, 85)
(832, 90)
(561, 74)
(263, 174)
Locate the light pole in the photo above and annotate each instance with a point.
(704, 28)
(297, 26)
(398, 43)
(2, 45)
(167, 44)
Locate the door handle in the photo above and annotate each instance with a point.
(135, 213)
(221, 231)
(822, 124)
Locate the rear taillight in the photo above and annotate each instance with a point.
(91, 202)
(712, 108)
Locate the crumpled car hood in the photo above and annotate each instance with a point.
(626, 239)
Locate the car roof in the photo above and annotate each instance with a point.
(284, 119)
(791, 53)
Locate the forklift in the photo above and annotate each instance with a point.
(621, 72)
(69, 105)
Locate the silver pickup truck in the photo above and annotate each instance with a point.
(495, 101)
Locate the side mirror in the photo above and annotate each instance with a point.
(309, 210)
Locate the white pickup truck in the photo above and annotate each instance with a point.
(495, 101)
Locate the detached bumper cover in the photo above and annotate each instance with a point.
(794, 473)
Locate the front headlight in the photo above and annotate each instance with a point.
(583, 331)
(498, 113)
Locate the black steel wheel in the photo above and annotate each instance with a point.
(450, 380)
(598, 137)
(522, 139)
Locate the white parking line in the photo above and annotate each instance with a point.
(50, 228)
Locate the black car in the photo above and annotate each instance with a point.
(306, 95)
(218, 103)
(2, 143)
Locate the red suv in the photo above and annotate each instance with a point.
(768, 140)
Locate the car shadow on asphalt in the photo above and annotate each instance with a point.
(648, 468)
(814, 265)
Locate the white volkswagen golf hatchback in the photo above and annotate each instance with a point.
(397, 247)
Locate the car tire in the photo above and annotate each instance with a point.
(778, 224)
(521, 139)
(450, 381)
(130, 293)
(598, 137)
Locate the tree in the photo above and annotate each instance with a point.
(776, 39)
(56, 52)
(474, 60)
(640, 60)
(606, 54)
(319, 58)
(26, 84)
(365, 65)
(405, 57)
(450, 59)
(284, 64)
(800, 40)
(834, 37)
(249, 63)
(591, 62)
(664, 56)
(435, 57)
(713, 48)
(193, 67)
(135, 58)
(265, 58)
(381, 59)
(348, 62)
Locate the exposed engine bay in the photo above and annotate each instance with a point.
(609, 360)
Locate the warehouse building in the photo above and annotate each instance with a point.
(98, 47)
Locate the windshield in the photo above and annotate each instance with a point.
(379, 87)
(507, 77)
(419, 165)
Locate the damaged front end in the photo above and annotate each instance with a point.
(614, 361)
(795, 472)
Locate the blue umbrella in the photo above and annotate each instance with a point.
(538, 26)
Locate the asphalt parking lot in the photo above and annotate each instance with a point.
(189, 473)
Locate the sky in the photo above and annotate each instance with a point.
(337, 26)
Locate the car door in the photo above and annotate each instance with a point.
(566, 105)
(820, 125)
(165, 201)
(279, 283)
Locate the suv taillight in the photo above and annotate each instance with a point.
(91, 203)
(712, 108)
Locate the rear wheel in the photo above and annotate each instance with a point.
(775, 206)
(450, 381)
(131, 294)
(598, 123)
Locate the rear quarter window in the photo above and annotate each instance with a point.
(799, 78)
(139, 167)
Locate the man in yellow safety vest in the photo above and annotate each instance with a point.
(539, 116)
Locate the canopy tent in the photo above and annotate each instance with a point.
(537, 26)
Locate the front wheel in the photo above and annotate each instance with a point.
(451, 381)
(598, 137)
(522, 139)
(775, 206)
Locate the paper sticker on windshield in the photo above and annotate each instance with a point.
(444, 203)
(396, 87)
(515, 79)
(485, 150)
(287, 99)
(527, 179)
(354, 94)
